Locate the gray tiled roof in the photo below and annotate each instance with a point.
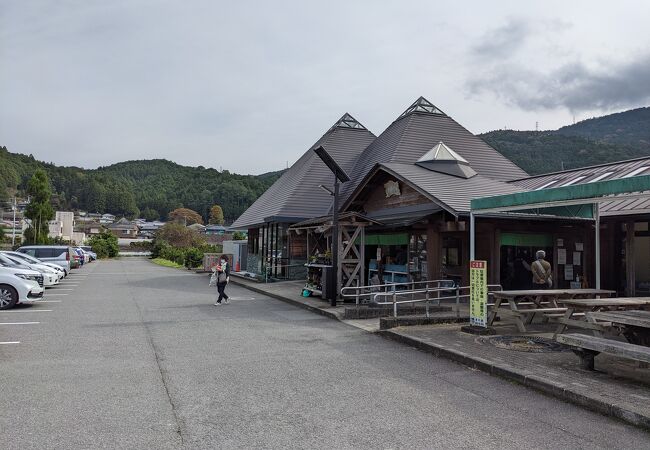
(449, 192)
(295, 196)
(416, 132)
(614, 170)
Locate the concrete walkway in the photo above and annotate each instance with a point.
(619, 388)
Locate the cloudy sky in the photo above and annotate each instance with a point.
(249, 86)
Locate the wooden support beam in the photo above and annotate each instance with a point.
(629, 259)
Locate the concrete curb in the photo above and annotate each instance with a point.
(498, 370)
(530, 381)
(322, 312)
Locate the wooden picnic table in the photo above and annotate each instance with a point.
(633, 324)
(542, 301)
(578, 311)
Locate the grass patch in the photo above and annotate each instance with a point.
(167, 263)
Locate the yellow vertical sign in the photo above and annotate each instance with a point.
(478, 293)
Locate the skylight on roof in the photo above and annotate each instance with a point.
(442, 153)
(636, 171)
(442, 159)
(421, 105)
(347, 121)
(574, 181)
(600, 177)
(544, 186)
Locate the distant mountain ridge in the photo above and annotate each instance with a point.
(599, 140)
(146, 188)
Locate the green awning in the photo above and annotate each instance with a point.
(387, 239)
(527, 240)
(569, 195)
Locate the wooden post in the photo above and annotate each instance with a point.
(629, 259)
(433, 252)
(496, 256)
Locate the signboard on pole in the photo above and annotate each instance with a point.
(478, 293)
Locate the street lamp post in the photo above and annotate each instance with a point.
(339, 177)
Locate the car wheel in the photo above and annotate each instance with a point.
(8, 297)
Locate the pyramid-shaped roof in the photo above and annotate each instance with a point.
(347, 121)
(421, 105)
(419, 130)
(295, 196)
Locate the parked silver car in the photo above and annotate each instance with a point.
(57, 254)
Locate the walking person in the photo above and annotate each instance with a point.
(541, 271)
(222, 270)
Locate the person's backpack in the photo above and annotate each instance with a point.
(547, 277)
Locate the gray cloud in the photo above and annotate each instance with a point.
(574, 86)
(504, 40)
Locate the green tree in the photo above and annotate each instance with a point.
(239, 236)
(216, 215)
(2, 233)
(150, 214)
(104, 245)
(39, 210)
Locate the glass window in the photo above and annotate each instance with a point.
(636, 171)
(600, 177)
(574, 181)
(451, 252)
(544, 186)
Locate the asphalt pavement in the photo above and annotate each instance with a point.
(127, 354)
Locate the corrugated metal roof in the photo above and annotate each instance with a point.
(449, 192)
(618, 170)
(296, 193)
(415, 133)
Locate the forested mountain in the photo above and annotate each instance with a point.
(150, 188)
(599, 140)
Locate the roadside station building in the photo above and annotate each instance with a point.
(406, 211)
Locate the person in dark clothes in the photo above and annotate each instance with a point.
(223, 278)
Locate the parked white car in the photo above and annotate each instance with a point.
(31, 260)
(50, 276)
(19, 286)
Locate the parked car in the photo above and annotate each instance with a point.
(57, 254)
(32, 260)
(50, 277)
(19, 286)
(88, 249)
(78, 255)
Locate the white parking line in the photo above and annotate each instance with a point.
(56, 295)
(63, 289)
(19, 323)
(11, 342)
(49, 301)
(26, 310)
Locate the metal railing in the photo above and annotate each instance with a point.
(427, 296)
(362, 292)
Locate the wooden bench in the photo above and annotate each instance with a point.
(587, 347)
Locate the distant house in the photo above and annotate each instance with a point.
(147, 229)
(107, 218)
(197, 227)
(123, 228)
(215, 229)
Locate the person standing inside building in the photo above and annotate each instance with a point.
(222, 271)
(541, 271)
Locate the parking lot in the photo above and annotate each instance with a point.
(126, 354)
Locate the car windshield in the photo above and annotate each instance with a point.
(8, 261)
(24, 257)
